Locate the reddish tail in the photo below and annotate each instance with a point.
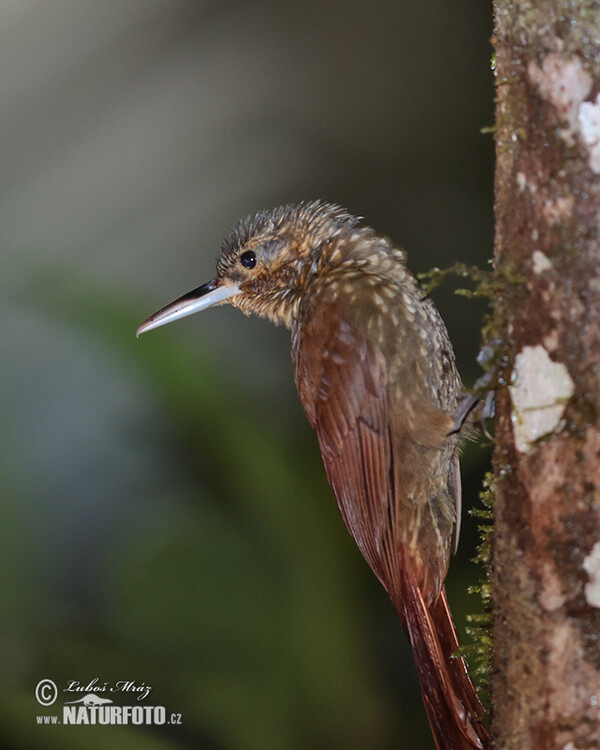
(452, 705)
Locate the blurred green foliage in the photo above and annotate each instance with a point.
(235, 601)
(238, 598)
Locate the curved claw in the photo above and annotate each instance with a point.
(487, 412)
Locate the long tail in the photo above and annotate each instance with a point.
(452, 705)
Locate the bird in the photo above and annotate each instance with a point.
(376, 374)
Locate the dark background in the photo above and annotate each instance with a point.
(165, 517)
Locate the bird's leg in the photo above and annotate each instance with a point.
(492, 358)
(468, 403)
(463, 411)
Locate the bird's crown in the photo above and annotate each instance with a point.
(297, 229)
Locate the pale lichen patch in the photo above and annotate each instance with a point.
(539, 393)
(595, 284)
(556, 211)
(591, 565)
(523, 183)
(551, 341)
(540, 261)
(563, 82)
(589, 126)
(551, 596)
(566, 84)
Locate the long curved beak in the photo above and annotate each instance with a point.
(207, 295)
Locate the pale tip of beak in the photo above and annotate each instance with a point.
(198, 299)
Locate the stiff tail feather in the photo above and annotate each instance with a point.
(451, 702)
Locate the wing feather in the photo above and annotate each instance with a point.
(343, 386)
(379, 471)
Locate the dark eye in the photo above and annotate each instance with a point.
(248, 259)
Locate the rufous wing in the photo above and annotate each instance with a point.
(343, 386)
(375, 464)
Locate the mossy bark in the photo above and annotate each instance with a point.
(546, 556)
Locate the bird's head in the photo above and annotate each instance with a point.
(266, 263)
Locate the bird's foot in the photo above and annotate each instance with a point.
(493, 359)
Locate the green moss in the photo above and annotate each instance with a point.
(487, 283)
(479, 628)
(506, 283)
(436, 276)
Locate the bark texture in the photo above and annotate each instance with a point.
(546, 558)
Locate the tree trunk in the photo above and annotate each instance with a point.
(546, 557)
